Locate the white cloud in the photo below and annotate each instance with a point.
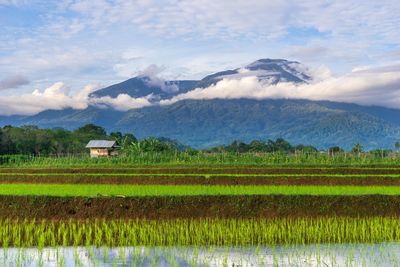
(54, 97)
(380, 86)
(307, 53)
(13, 2)
(251, 18)
(153, 78)
(58, 97)
(13, 82)
(122, 102)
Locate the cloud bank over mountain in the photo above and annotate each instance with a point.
(55, 97)
(58, 97)
(378, 86)
(366, 86)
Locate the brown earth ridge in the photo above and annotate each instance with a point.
(367, 180)
(196, 207)
(320, 169)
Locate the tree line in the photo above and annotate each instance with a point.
(270, 146)
(31, 140)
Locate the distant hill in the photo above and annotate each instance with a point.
(205, 123)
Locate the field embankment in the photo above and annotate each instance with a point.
(197, 207)
(207, 175)
(187, 191)
(201, 179)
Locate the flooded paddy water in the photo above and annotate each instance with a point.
(382, 254)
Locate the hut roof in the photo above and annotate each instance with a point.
(102, 144)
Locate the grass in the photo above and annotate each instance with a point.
(204, 175)
(176, 158)
(90, 190)
(201, 167)
(218, 232)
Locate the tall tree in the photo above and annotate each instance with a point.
(92, 129)
(358, 148)
(397, 146)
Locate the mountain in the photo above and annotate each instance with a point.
(271, 70)
(206, 123)
(142, 86)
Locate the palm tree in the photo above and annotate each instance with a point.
(135, 148)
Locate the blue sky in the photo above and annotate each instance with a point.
(81, 42)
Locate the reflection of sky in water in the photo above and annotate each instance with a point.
(310, 255)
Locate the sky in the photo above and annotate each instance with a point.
(54, 53)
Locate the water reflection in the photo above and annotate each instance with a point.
(387, 254)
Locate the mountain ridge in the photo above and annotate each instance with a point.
(271, 70)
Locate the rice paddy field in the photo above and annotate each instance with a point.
(109, 214)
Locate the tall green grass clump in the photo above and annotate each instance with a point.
(200, 232)
(223, 158)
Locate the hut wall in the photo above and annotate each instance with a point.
(99, 152)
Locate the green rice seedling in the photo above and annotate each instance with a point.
(89, 190)
(203, 232)
(105, 254)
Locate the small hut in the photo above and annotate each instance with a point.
(103, 148)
